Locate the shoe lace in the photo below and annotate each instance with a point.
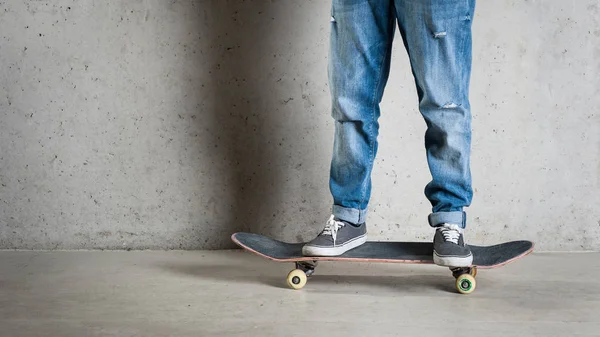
(332, 226)
(451, 233)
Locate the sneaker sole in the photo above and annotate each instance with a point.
(334, 251)
(453, 261)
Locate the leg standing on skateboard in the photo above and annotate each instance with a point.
(437, 37)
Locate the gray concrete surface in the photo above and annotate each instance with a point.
(171, 124)
(233, 293)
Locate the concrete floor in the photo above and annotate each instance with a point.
(234, 293)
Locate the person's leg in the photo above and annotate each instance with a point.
(437, 35)
(360, 47)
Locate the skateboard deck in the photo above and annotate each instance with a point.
(484, 257)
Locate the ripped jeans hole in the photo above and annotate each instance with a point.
(449, 106)
(439, 35)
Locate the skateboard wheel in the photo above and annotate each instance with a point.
(473, 271)
(465, 284)
(296, 279)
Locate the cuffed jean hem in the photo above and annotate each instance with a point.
(353, 215)
(456, 218)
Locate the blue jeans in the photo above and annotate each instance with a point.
(437, 37)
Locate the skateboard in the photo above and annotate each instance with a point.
(484, 257)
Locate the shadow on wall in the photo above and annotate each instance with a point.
(239, 117)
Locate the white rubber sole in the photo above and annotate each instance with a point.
(333, 251)
(453, 261)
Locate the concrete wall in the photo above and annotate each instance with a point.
(172, 124)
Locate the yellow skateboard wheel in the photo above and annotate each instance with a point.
(296, 279)
(465, 284)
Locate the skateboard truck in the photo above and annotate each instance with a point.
(308, 267)
(457, 271)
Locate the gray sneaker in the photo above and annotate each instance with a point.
(449, 248)
(337, 238)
